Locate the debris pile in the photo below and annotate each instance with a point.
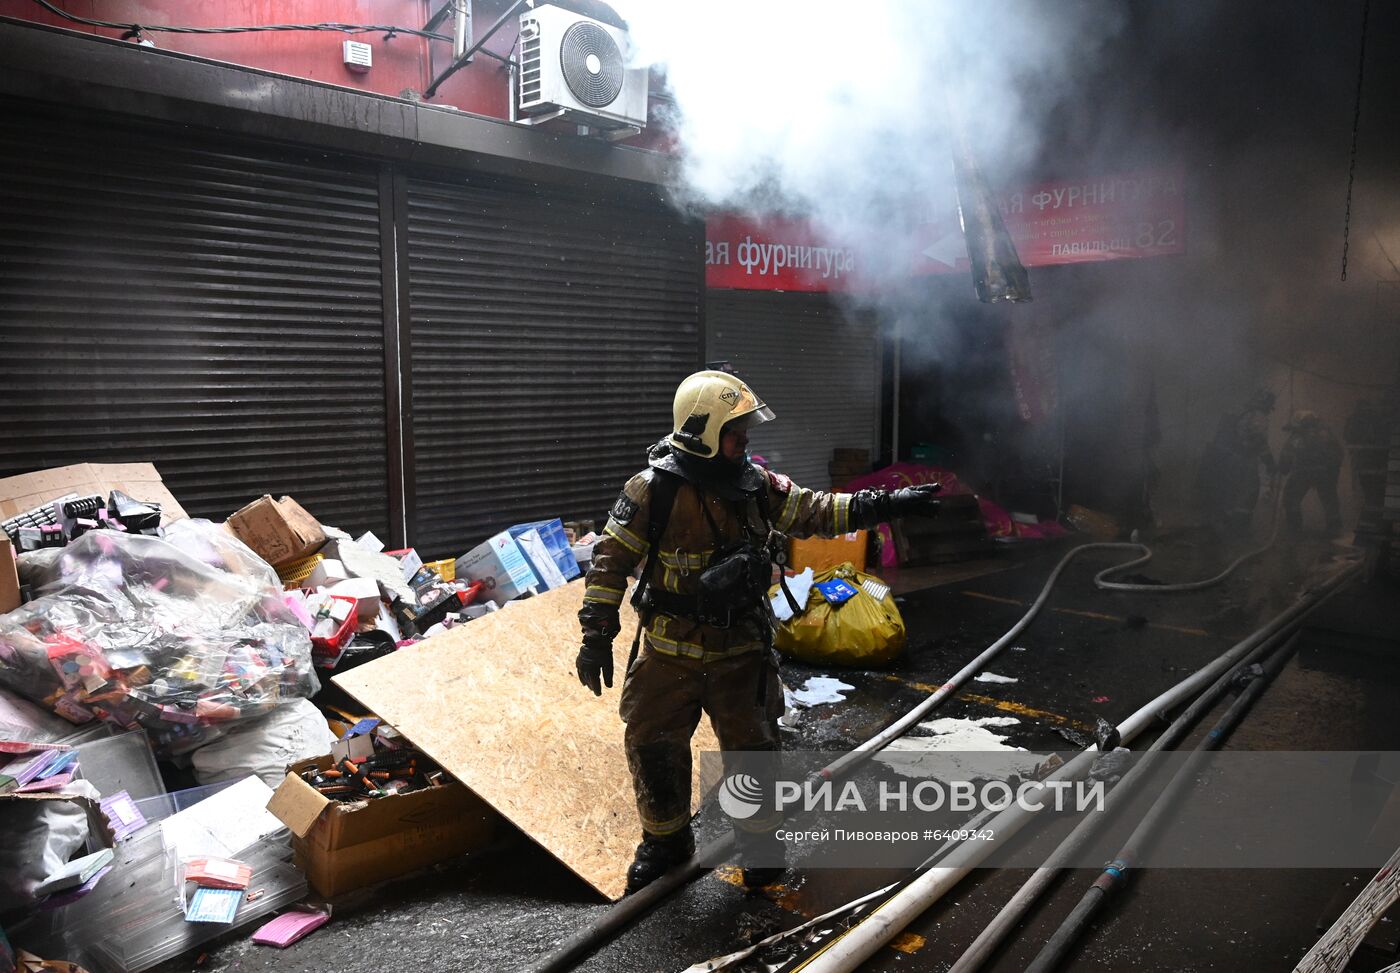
(160, 676)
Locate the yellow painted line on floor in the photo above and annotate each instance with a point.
(908, 943)
(1021, 709)
(1097, 616)
(1005, 705)
(1004, 601)
(1180, 630)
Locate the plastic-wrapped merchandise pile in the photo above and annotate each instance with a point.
(198, 643)
(185, 635)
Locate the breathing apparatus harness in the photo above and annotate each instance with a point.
(734, 583)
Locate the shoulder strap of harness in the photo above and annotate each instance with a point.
(664, 487)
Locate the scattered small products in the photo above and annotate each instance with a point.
(218, 873)
(75, 873)
(291, 927)
(214, 905)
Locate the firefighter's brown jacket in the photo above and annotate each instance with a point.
(685, 549)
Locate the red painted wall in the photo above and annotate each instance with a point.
(399, 64)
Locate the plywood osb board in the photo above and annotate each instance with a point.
(496, 702)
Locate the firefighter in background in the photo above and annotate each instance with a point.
(1312, 460)
(1230, 473)
(705, 523)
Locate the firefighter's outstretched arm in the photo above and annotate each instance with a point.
(800, 512)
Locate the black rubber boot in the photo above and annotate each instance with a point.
(757, 878)
(765, 848)
(657, 855)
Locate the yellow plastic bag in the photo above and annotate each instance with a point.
(862, 631)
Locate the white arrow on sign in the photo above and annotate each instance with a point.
(947, 249)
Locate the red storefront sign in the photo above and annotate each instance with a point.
(1113, 217)
(774, 254)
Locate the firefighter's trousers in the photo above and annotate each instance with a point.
(662, 700)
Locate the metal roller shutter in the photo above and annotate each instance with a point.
(816, 368)
(549, 333)
(213, 307)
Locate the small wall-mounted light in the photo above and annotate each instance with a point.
(136, 37)
(359, 57)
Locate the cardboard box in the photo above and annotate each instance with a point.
(365, 591)
(541, 560)
(501, 565)
(409, 562)
(137, 480)
(820, 553)
(347, 846)
(278, 531)
(9, 577)
(553, 537)
(328, 572)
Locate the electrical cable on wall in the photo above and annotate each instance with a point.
(138, 29)
(1355, 128)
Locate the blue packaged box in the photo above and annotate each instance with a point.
(501, 565)
(556, 543)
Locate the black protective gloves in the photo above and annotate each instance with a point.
(915, 501)
(871, 507)
(595, 660)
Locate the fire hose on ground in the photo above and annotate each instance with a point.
(1016, 908)
(892, 916)
(1114, 875)
(1102, 583)
(1255, 647)
(634, 906)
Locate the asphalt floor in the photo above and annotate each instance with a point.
(1090, 655)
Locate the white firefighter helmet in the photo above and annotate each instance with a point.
(705, 403)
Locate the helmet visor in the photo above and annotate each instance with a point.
(750, 419)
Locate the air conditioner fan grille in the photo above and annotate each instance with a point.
(596, 88)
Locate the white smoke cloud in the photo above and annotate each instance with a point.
(839, 111)
(836, 112)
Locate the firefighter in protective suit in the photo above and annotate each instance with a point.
(1312, 459)
(711, 521)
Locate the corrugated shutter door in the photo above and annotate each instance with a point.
(818, 370)
(549, 334)
(211, 307)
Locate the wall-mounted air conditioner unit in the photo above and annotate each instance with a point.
(573, 71)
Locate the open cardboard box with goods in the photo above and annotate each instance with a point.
(139, 481)
(345, 846)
